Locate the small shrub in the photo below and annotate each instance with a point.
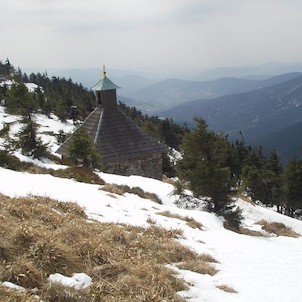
(5, 130)
(9, 161)
(232, 219)
(179, 187)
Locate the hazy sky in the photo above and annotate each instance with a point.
(147, 34)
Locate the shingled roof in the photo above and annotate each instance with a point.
(116, 136)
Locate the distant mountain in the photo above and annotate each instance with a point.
(251, 72)
(287, 141)
(171, 92)
(257, 114)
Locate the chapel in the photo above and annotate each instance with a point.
(125, 148)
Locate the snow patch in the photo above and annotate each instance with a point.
(78, 280)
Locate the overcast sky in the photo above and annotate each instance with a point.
(146, 34)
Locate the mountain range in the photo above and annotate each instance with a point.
(267, 116)
(168, 93)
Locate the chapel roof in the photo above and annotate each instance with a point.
(116, 136)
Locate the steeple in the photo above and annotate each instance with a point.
(105, 92)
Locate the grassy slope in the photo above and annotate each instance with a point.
(42, 236)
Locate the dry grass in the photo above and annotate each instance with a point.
(40, 236)
(191, 222)
(7, 295)
(227, 289)
(278, 229)
(202, 265)
(245, 231)
(122, 189)
(171, 215)
(81, 174)
(194, 224)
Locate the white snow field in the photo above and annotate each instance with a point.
(258, 268)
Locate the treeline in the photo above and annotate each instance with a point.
(65, 99)
(218, 170)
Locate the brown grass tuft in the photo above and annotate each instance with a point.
(199, 267)
(245, 231)
(191, 222)
(227, 289)
(194, 224)
(55, 292)
(24, 273)
(81, 174)
(9, 295)
(278, 229)
(202, 265)
(122, 189)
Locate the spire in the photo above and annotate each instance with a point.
(104, 72)
(105, 83)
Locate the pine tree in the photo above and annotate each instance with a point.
(204, 165)
(18, 100)
(29, 143)
(293, 179)
(263, 177)
(83, 149)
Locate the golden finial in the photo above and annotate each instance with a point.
(104, 72)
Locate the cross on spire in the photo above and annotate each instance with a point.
(104, 72)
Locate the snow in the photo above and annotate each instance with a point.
(77, 280)
(258, 268)
(31, 87)
(48, 127)
(13, 286)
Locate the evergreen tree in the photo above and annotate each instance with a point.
(204, 165)
(83, 149)
(293, 178)
(263, 177)
(18, 100)
(29, 143)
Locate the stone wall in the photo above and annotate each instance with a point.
(147, 166)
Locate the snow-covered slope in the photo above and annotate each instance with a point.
(258, 268)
